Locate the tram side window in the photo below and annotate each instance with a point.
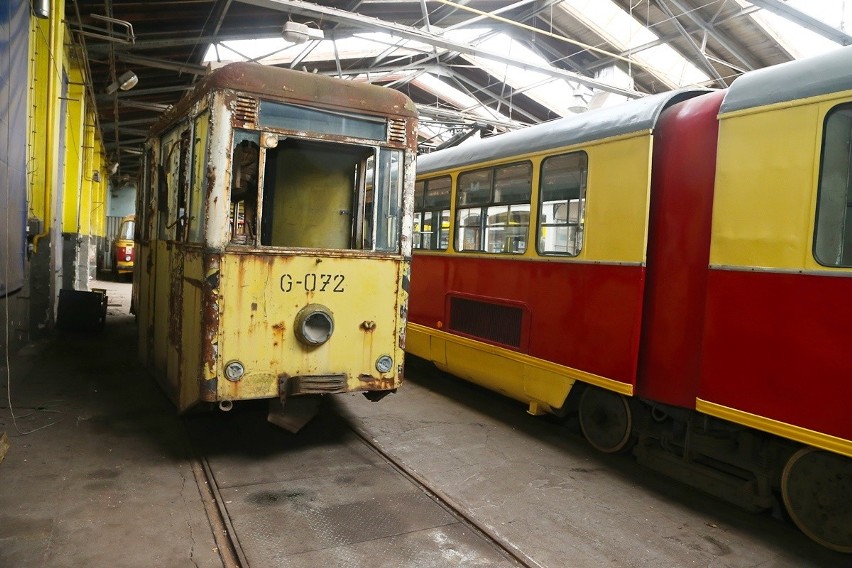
(833, 238)
(242, 217)
(562, 202)
(432, 214)
(493, 209)
(172, 176)
(383, 201)
(196, 214)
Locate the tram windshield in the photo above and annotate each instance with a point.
(314, 194)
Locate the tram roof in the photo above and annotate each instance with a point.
(819, 75)
(296, 86)
(633, 116)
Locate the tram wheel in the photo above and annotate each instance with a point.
(817, 489)
(605, 419)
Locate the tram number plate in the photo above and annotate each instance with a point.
(312, 282)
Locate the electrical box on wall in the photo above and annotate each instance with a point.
(34, 227)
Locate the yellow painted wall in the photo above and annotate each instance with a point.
(83, 208)
(42, 71)
(72, 178)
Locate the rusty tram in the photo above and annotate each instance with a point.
(274, 240)
(677, 270)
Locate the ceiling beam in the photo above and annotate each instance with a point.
(612, 57)
(134, 122)
(461, 79)
(145, 92)
(399, 30)
(717, 36)
(700, 57)
(163, 64)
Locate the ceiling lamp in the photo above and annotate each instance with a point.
(125, 82)
(295, 32)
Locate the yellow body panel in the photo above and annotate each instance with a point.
(260, 296)
(190, 351)
(789, 431)
(541, 384)
(618, 196)
(767, 174)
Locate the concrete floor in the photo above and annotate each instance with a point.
(103, 479)
(97, 472)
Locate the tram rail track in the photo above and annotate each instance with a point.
(457, 510)
(228, 541)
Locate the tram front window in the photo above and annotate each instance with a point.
(321, 195)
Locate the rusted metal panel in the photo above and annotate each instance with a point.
(210, 306)
(218, 174)
(297, 86)
(265, 292)
(191, 327)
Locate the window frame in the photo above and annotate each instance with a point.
(485, 208)
(821, 212)
(581, 207)
(421, 208)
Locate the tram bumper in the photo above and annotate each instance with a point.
(299, 398)
(310, 384)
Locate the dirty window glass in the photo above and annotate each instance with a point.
(293, 117)
(383, 201)
(169, 177)
(199, 179)
(242, 218)
(833, 238)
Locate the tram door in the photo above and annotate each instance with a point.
(173, 290)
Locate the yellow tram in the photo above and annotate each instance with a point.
(274, 240)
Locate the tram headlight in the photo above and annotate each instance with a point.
(384, 363)
(314, 325)
(234, 370)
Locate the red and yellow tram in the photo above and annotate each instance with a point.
(685, 260)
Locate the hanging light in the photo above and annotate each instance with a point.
(125, 82)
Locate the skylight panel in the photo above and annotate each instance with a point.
(554, 94)
(622, 31)
(799, 40)
(277, 51)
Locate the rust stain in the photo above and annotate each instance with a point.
(210, 325)
(176, 299)
(369, 382)
(298, 87)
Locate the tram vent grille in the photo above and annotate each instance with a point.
(492, 322)
(396, 131)
(245, 110)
